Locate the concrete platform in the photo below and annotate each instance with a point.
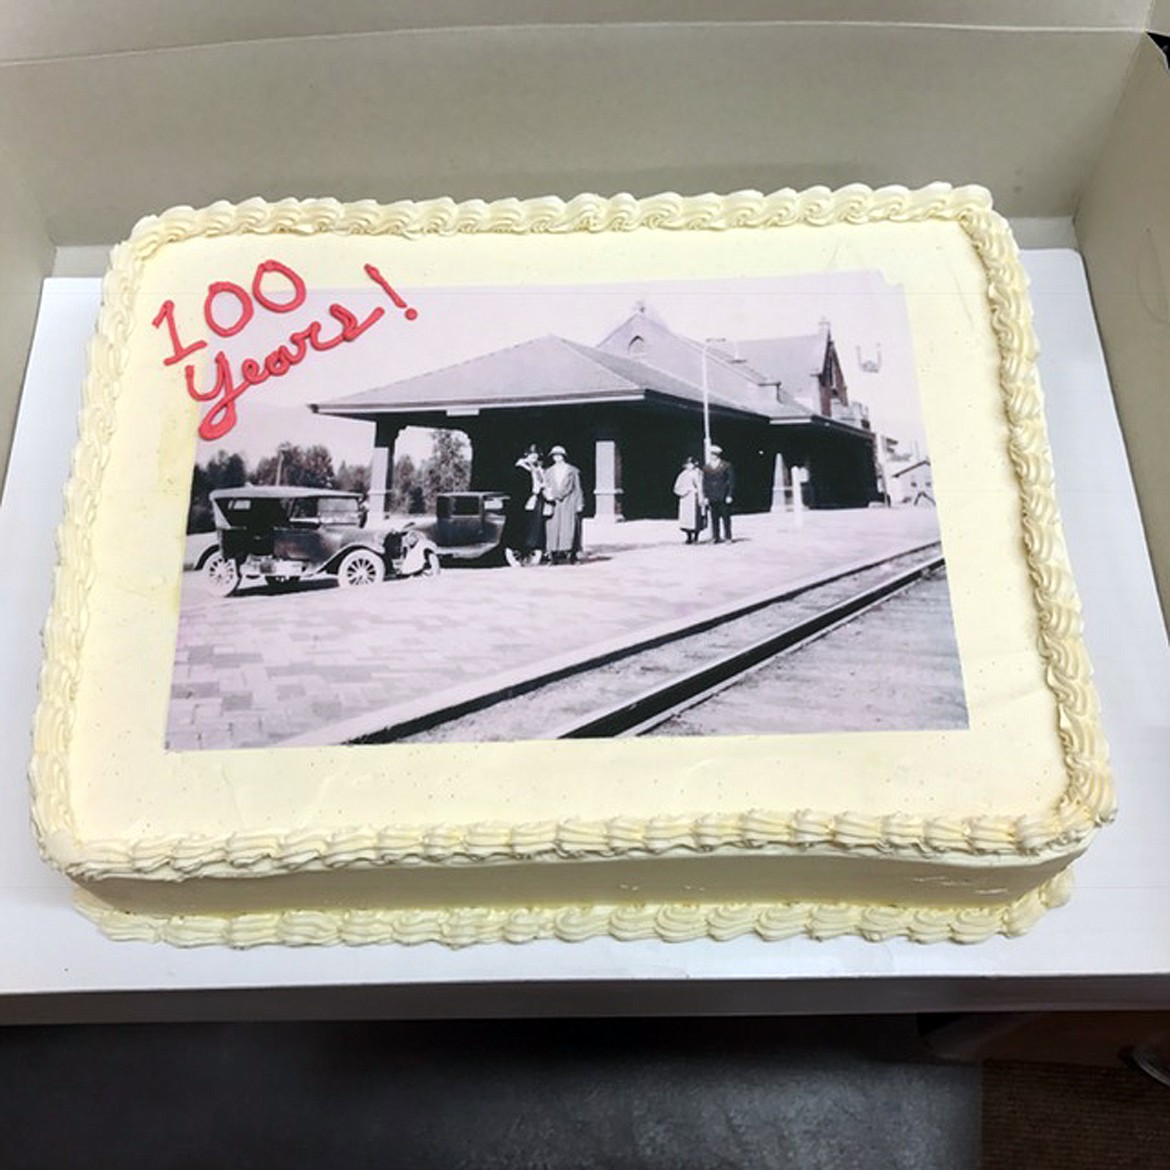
(266, 667)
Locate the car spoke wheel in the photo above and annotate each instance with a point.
(360, 567)
(519, 559)
(221, 574)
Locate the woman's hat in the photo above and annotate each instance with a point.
(557, 450)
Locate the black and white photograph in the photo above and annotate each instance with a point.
(684, 508)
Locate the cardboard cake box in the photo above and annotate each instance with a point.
(498, 99)
(1056, 107)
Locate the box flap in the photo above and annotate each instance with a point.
(26, 258)
(1123, 224)
(635, 107)
(67, 28)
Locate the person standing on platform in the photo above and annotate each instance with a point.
(688, 486)
(562, 488)
(523, 537)
(719, 493)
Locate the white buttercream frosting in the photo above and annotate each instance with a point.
(460, 927)
(185, 825)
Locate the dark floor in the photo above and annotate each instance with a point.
(840, 1093)
(1065, 1117)
(608, 1093)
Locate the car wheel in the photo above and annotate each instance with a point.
(360, 567)
(205, 556)
(519, 560)
(222, 574)
(431, 565)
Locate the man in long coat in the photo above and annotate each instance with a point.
(719, 493)
(562, 488)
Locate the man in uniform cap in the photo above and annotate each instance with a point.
(719, 492)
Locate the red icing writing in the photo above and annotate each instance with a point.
(246, 309)
(409, 313)
(227, 386)
(179, 350)
(292, 277)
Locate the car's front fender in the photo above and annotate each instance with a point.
(333, 563)
(415, 556)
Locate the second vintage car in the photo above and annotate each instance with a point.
(466, 526)
(280, 534)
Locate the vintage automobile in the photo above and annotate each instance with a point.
(466, 526)
(472, 527)
(199, 548)
(282, 534)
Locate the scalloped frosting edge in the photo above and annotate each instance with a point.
(665, 922)
(1087, 803)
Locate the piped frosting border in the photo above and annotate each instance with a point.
(667, 922)
(1086, 804)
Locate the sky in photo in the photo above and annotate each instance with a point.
(454, 324)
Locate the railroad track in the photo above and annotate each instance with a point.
(649, 682)
(654, 706)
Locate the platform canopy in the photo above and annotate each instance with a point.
(632, 407)
(547, 371)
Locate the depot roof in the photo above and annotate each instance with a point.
(545, 370)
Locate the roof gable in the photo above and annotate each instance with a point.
(643, 336)
(538, 370)
(796, 363)
(655, 380)
(641, 356)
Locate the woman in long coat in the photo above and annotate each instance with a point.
(562, 489)
(688, 486)
(524, 518)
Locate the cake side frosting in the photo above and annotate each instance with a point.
(671, 922)
(1086, 803)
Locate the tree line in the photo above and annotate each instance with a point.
(414, 485)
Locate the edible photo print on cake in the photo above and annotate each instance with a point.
(468, 514)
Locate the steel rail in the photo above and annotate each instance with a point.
(390, 731)
(657, 704)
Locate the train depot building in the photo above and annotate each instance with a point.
(631, 408)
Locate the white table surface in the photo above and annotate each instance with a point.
(1109, 947)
